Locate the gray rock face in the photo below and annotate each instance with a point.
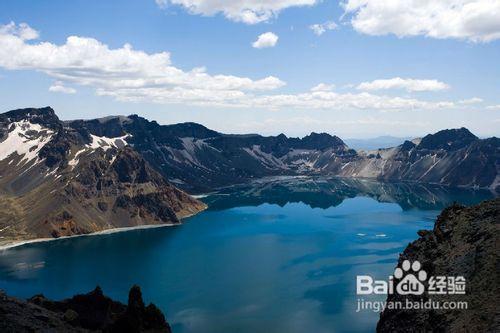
(469, 163)
(199, 159)
(464, 242)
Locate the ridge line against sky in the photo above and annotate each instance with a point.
(404, 102)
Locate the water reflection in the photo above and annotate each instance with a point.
(318, 192)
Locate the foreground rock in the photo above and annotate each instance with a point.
(464, 242)
(92, 312)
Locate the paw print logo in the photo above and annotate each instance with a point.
(413, 274)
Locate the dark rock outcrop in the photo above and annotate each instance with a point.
(451, 139)
(464, 242)
(92, 312)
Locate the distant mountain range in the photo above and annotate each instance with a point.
(198, 159)
(118, 171)
(385, 141)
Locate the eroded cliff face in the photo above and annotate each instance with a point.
(449, 157)
(56, 181)
(198, 159)
(464, 242)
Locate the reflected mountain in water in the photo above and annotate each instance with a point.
(330, 192)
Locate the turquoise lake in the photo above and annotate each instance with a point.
(277, 255)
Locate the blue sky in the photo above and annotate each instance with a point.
(449, 74)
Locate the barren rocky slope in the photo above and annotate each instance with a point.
(55, 181)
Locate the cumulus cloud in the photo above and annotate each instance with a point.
(267, 39)
(58, 86)
(21, 31)
(473, 20)
(130, 75)
(122, 71)
(246, 11)
(407, 84)
(493, 107)
(321, 28)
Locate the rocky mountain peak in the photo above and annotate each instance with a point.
(321, 141)
(109, 126)
(189, 129)
(407, 145)
(449, 139)
(43, 116)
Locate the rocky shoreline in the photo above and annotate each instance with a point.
(464, 242)
(92, 312)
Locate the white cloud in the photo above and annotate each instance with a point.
(323, 87)
(267, 39)
(473, 20)
(21, 31)
(58, 86)
(332, 100)
(131, 75)
(321, 28)
(493, 107)
(473, 100)
(400, 83)
(246, 11)
(121, 71)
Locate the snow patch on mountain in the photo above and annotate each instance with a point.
(105, 143)
(25, 139)
(74, 161)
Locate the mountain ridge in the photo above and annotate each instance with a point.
(198, 159)
(88, 183)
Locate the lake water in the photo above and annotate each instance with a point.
(277, 255)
